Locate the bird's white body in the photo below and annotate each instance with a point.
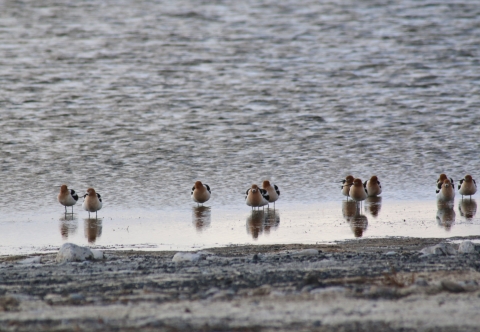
(92, 201)
(373, 187)
(346, 184)
(446, 192)
(357, 191)
(467, 186)
(200, 192)
(67, 199)
(256, 197)
(272, 191)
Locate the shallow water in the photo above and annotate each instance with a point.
(194, 228)
(141, 99)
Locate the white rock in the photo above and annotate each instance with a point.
(466, 247)
(442, 249)
(70, 252)
(97, 254)
(390, 253)
(186, 257)
(31, 260)
(305, 252)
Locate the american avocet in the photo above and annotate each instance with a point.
(467, 186)
(442, 178)
(272, 191)
(256, 197)
(346, 184)
(67, 197)
(446, 191)
(92, 201)
(200, 192)
(357, 191)
(373, 186)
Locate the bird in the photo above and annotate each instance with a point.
(256, 197)
(441, 178)
(357, 191)
(272, 190)
(346, 184)
(467, 186)
(67, 197)
(446, 191)
(373, 187)
(92, 201)
(200, 192)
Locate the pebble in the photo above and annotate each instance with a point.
(452, 287)
(31, 260)
(186, 257)
(466, 247)
(304, 252)
(443, 249)
(70, 252)
(390, 253)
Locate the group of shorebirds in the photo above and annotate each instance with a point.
(358, 191)
(257, 197)
(254, 197)
(446, 188)
(92, 201)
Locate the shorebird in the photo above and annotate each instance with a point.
(373, 187)
(272, 190)
(446, 191)
(467, 186)
(200, 192)
(442, 178)
(346, 184)
(92, 201)
(357, 191)
(67, 197)
(256, 197)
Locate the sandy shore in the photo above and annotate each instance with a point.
(361, 285)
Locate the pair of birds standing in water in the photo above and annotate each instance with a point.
(358, 191)
(254, 196)
(446, 187)
(92, 201)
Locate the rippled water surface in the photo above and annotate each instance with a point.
(140, 99)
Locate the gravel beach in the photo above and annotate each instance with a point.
(389, 284)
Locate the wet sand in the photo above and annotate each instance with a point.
(358, 285)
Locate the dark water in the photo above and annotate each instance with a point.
(139, 99)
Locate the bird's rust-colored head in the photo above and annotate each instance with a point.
(198, 185)
(349, 179)
(254, 188)
(446, 183)
(63, 188)
(266, 184)
(442, 177)
(468, 178)
(357, 182)
(374, 178)
(91, 192)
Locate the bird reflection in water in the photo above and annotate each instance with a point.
(358, 222)
(68, 225)
(445, 214)
(373, 205)
(260, 221)
(93, 229)
(467, 208)
(201, 217)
